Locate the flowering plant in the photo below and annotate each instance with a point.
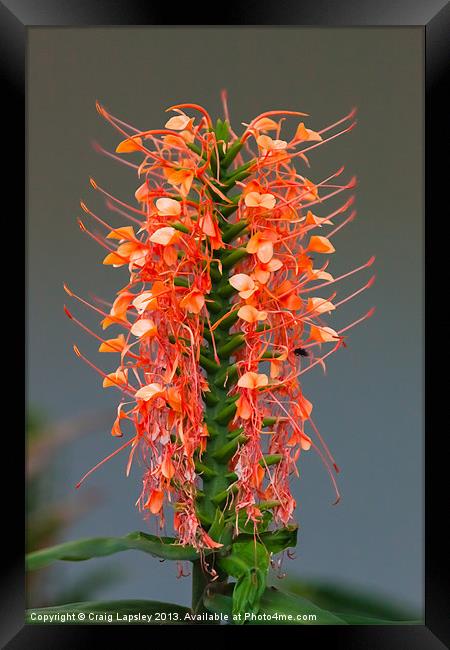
(217, 323)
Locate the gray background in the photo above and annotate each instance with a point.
(369, 406)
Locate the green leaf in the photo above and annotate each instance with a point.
(355, 619)
(275, 608)
(277, 540)
(249, 563)
(247, 528)
(118, 612)
(351, 600)
(275, 601)
(222, 130)
(85, 549)
(231, 154)
(217, 525)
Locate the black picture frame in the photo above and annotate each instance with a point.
(433, 16)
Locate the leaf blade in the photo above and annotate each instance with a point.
(85, 549)
(97, 613)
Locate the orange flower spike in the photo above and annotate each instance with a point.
(219, 288)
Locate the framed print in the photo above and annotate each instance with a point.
(228, 402)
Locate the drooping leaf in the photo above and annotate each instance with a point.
(119, 612)
(351, 600)
(275, 608)
(355, 619)
(301, 609)
(85, 549)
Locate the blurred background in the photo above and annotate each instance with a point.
(369, 406)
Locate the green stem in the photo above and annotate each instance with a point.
(199, 585)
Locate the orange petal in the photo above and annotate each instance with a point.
(318, 244)
(131, 144)
(114, 259)
(320, 305)
(116, 431)
(142, 193)
(126, 232)
(261, 274)
(117, 378)
(174, 398)
(208, 225)
(306, 135)
(113, 345)
(323, 334)
(155, 501)
(144, 327)
(253, 243)
(163, 236)
(258, 476)
(305, 407)
(167, 467)
(252, 199)
(253, 380)
(168, 207)
(265, 251)
(266, 124)
(149, 392)
(193, 302)
(241, 282)
(305, 442)
(146, 300)
(250, 314)
(209, 542)
(274, 265)
(170, 255)
(243, 408)
(178, 122)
